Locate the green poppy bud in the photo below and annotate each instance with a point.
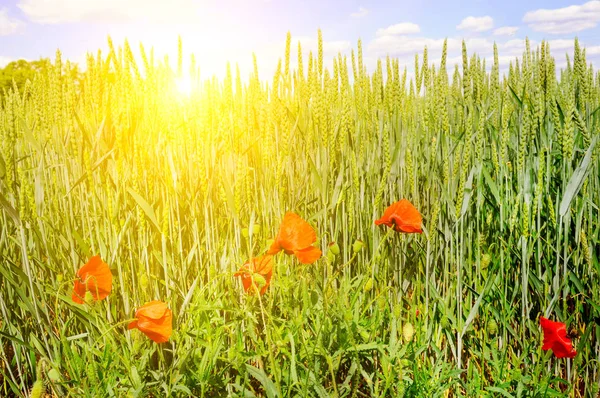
(53, 375)
(89, 297)
(492, 327)
(330, 256)
(245, 232)
(408, 331)
(485, 260)
(259, 280)
(334, 248)
(255, 229)
(368, 286)
(444, 322)
(358, 246)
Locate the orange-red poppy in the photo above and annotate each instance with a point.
(155, 320)
(93, 277)
(402, 216)
(556, 339)
(296, 237)
(256, 274)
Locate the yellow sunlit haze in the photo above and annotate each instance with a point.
(184, 86)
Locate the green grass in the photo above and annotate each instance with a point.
(504, 170)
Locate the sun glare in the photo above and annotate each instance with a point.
(184, 86)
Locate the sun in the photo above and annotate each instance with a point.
(184, 85)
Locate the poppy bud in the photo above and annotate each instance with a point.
(368, 285)
(89, 297)
(255, 229)
(444, 322)
(259, 280)
(245, 232)
(357, 246)
(334, 248)
(485, 260)
(408, 331)
(330, 256)
(59, 278)
(381, 303)
(397, 311)
(492, 327)
(53, 375)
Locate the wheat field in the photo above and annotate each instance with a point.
(176, 189)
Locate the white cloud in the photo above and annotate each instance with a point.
(476, 24)
(8, 25)
(405, 47)
(506, 31)
(570, 19)
(404, 28)
(70, 11)
(362, 12)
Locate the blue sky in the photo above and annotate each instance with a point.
(217, 31)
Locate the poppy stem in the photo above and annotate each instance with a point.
(111, 328)
(379, 246)
(262, 313)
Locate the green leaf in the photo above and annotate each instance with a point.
(145, 206)
(83, 177)
(264, 380)
(491, 184)
(515, 96)
(468, 192)
(475, 308)
(500, 391)
(2, 167)
(576, 180)
(10, 211)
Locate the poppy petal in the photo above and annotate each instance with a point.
(402, 216)
(78, 294)
(275, 248)
(153, 310)
(556, 339)
(263, 265)
(308, 255)
(295, 233)
(158, 330)
(96, 278)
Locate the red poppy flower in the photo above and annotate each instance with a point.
(93, 277)
(555, 338)
(155, 320)
(256, 274)
(296, 237)
(403, 217)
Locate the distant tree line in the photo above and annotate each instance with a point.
(20, 71)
